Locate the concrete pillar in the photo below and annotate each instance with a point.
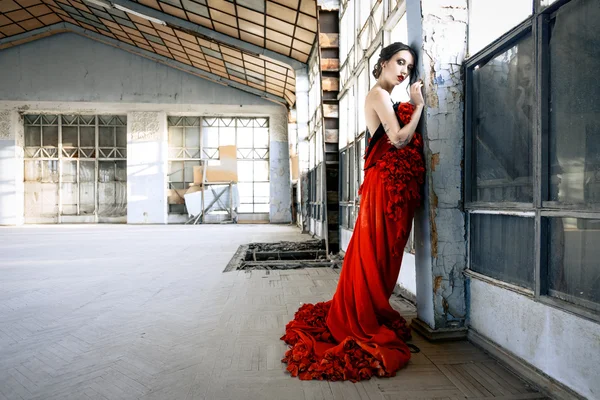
(437, 29)
(279, 170)
(147, 148)
(302, 117)
(12, 140)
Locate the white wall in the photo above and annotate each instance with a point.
(11, 168)
(69, 67)
(564, 346)
(147, 148)
(8, 184)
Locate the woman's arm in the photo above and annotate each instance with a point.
(399, 136)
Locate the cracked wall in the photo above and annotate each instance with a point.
(441, 41)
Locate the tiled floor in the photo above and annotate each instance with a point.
(145, 312)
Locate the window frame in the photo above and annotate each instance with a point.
(538, 24)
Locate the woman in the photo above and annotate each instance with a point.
(358, 334)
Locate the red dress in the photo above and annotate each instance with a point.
(358, 334)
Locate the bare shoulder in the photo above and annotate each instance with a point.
(376, 97)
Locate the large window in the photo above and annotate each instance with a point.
(533, 157)
(502, 125)
(75, 168)
(252, 139)
(210, 140)
(185, 152)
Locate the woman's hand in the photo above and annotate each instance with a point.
(416, 94)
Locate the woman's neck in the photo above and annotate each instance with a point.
(385, 85)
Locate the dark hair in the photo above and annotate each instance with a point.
(388, 52)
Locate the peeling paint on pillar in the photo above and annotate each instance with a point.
(279, 169)
(443, 50)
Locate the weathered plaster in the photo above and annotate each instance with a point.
(5, 126)
(144, 126)
(440, 39)
(279, 170)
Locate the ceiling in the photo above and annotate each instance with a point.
(248, 44)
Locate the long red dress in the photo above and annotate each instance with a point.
(358, 334)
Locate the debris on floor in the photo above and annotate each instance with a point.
(282, 255)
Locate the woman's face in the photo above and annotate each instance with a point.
(399, 67)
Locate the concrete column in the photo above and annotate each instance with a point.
(437, 29)
(302, 117)
(279, 169)
(12, 140)
(147, 147)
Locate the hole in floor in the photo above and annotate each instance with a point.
(282, 255)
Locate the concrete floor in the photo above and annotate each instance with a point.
(145, 312)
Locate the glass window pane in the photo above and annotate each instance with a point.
(189, 171)
(488, 20)
(210, 137)
(87, 136)
(245, 190)
(546, 3)
(106, 171)
(261, 137)
(261, 170)
(69, 136)
(87, 171)
(351, 117)
(50, 171)
(574, 139)
(121, 136)
(121, 172)
(106, 136)
(261, 189)
(192, 138)
(343, 113)
(33, 136)
(244, 138)
(33, 171)
(502, 125)
(372, 61)
(361, 160)
(573, 254)
(87, 198)
(245, 169)
(351, 173)
(174, 153)
(227, 136)
(50, 136)
(496, 251)
(245, 208)
(68, 192)
(344, 176)
(69, 171)
(175, 137)
(361, 93)
(175, 171)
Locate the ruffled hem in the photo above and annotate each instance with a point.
(308, 337)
